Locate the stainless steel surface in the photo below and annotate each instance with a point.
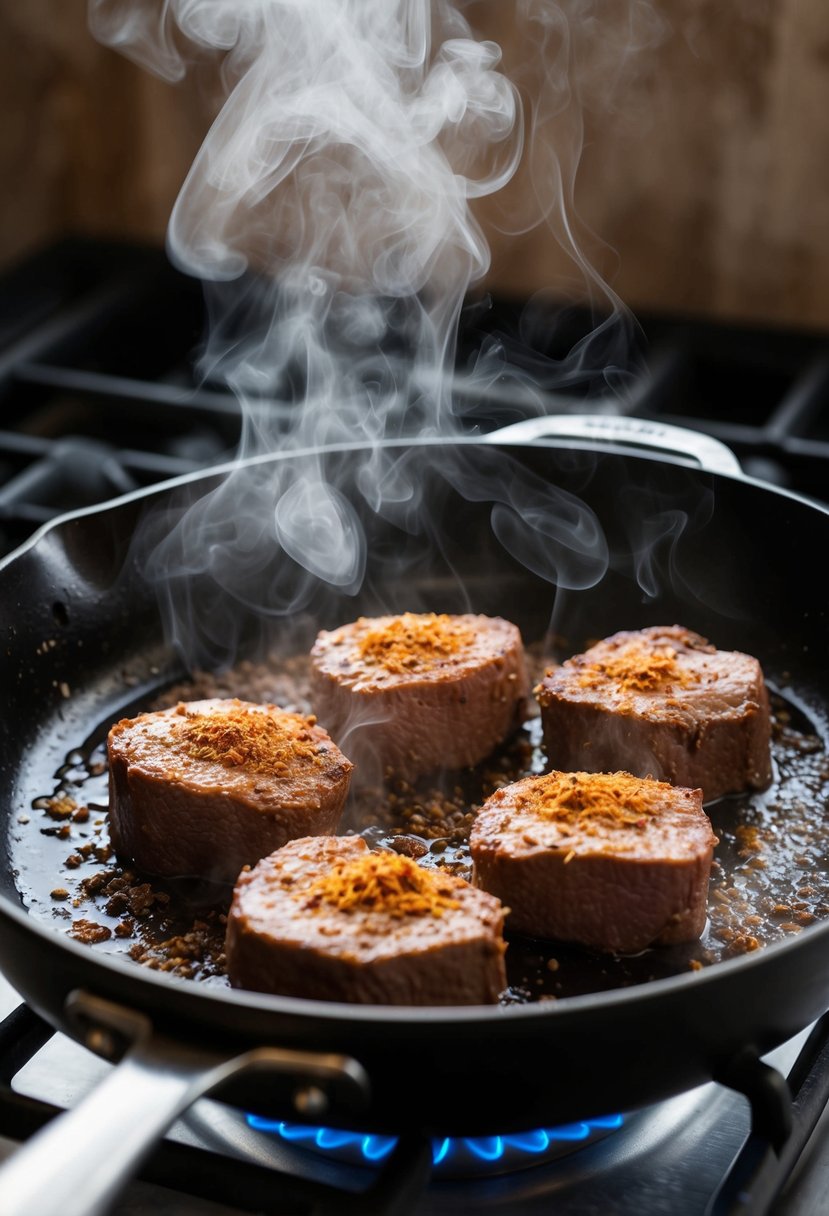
(709, 453)
(64, 1172)
(666, 1161)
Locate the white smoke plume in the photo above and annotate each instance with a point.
(329, 215)
(339, 171)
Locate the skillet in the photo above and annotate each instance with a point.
(730, 557)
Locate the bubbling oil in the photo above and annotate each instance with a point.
(769, 882)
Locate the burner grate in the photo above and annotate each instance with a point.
(101, 341)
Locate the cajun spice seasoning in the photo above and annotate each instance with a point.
(415, 641)
(639, 668)
(241, 735)
(576, 799)
(382, 882)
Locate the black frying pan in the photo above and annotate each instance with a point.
(736, 560)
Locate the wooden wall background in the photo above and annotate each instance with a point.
(704, 175)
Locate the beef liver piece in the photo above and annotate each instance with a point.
(661, 702)
(607, 860)
(207, 787)
(325, 918)
(419, 692)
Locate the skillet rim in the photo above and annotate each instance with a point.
(329, 1011)
(588, 444)
(324, 1012)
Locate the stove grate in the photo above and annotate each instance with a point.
(101, 342)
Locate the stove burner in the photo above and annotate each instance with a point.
(461, 1157)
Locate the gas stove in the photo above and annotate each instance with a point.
(101, 394)
(692, 1155)
(98, 358)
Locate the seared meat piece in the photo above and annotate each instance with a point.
(417, 693)
(661, 702)
(604, 859)
(328, 919)
(207, 787)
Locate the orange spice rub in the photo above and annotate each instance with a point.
(639, 668)
(383, 882)
(579, 799)
(244, 735)
(412, 640)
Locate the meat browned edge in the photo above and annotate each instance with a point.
(606, 860)
(664, 703)
(327, 919)
(207, 787)
(417, 693)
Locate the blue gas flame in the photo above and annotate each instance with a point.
(489, 1149)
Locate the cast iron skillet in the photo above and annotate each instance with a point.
(734, 559)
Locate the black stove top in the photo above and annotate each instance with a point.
(99, 348)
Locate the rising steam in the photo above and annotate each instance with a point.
(328, 213)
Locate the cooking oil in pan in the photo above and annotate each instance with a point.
(770, 878)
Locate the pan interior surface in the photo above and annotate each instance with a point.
(99, 649)
(769, 882)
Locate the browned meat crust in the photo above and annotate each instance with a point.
(207, 787)
(419, 692)
(661, 702)
(327, 919)
(603, 859)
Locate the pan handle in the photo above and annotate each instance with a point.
(707, 451)
(78, 1163)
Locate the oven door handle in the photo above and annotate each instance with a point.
(79, 1162)
(667, 440)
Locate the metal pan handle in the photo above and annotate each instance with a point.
(78, 1163)
(705, 450)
